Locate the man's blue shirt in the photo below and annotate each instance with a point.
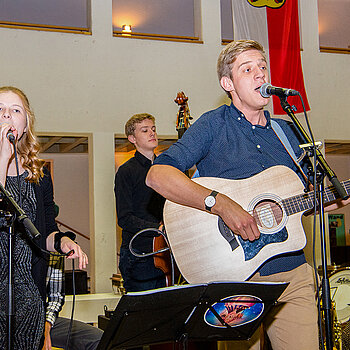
(223, 143)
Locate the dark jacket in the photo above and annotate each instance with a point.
(45, 223)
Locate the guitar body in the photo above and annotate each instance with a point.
(206, 250)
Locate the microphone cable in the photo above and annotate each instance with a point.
(144, 255)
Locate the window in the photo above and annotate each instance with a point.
(333, 25)
(64, 15)
(226, 21)
(157, 19)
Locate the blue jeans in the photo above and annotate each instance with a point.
(139, 273)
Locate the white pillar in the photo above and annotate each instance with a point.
(103, 250)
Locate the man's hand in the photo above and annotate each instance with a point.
(236, 218)
(47, 342)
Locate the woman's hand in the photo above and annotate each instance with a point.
(6, 148)
(47, 342)
(6, 151)
(68, 245)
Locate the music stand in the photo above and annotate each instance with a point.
(213, 311)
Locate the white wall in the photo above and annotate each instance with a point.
(80, 83)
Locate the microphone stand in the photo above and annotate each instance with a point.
(32, 232)
(7, 220)
(325, 170)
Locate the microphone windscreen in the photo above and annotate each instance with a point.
(263, 90)
(10, 136)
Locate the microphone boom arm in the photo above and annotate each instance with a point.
(21, 215)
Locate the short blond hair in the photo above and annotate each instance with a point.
(135, 119)
(229, 54)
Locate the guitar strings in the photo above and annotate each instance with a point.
(298, 203)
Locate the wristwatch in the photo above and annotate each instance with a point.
(210, 200)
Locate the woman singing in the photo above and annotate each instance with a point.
(31, 187)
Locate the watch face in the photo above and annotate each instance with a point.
(210, 201)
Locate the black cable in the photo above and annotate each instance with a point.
(73, 307)
(162, 250)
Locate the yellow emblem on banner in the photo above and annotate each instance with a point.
(268, 3)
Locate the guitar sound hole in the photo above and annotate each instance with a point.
(268, 214)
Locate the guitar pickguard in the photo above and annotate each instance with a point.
(251, 249)
(227, 234)
(270, 217)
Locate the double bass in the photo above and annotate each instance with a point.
(162, 260)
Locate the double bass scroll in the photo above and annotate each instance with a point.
(183, 115)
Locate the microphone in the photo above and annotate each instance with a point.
(267, 90)
(10, 136)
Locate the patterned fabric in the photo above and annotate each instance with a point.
(55, 288)
(29, 314)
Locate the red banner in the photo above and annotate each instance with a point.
(284, 52)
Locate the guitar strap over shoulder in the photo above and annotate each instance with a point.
(285, 142)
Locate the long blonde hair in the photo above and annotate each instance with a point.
(28, 146)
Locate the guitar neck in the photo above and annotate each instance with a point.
(306, 201)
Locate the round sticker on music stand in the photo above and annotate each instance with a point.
(234, 311)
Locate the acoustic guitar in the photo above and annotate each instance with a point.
(206, 250)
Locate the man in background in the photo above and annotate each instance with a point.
(138, 207)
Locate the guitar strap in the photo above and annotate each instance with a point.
(285, 142)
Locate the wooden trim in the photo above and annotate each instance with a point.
(63, 134)
(160, 137)
(72, 145)
(50, 28)
(334, 50)
(226, 41)
(72, 229)
(337, 141)
(50, 143)
(176, 38)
